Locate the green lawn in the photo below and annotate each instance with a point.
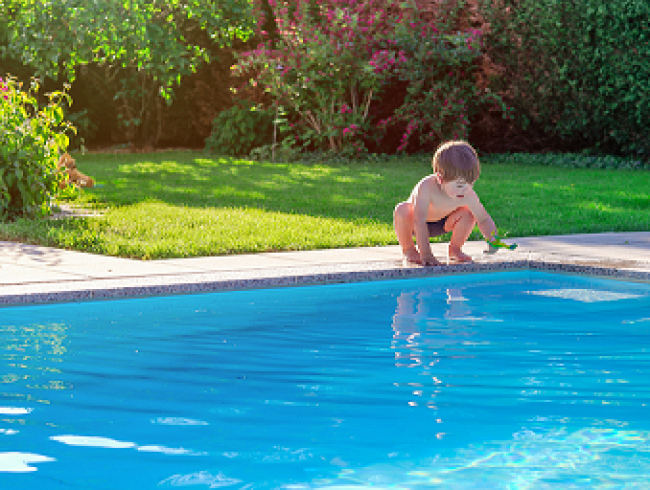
(183, 204)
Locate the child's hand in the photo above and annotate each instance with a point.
(491, 249)
(496, 243)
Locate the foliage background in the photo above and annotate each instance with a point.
(577, 73)
(129, 56)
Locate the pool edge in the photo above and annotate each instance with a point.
(173, 285)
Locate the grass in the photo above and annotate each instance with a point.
(184, 204)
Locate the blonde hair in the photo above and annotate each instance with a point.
(457, 160)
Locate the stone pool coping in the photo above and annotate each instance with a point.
(34, 275)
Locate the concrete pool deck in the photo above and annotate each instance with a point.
(33, 274)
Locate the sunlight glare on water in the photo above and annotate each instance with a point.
(502, 380)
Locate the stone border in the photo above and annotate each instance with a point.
(297, 276)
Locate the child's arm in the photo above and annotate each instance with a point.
(484, 221)
(487, 227)
(489, 231)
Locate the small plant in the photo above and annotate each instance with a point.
(281, 153)
(31, 139)
(240, 129)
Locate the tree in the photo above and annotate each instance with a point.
(143, 47)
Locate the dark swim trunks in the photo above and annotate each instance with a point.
(437, 228)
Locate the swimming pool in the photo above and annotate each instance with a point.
(503, 380)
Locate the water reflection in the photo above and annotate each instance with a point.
(504, 350)
(30, 356)
(421, 325)
(429, 328)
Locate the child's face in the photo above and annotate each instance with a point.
(456, 189)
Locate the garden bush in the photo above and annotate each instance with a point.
(442, 93)
(332, 60)
(568, 160)
(32, 136)
(578, 70)
(240, 129)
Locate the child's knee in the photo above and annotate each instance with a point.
(462, 216)
(468, 215)
(403, 211)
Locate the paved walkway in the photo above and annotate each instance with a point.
(32, 274)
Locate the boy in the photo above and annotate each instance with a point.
(442, 202)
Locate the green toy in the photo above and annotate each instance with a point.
(496, 243)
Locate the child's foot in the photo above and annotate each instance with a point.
(411, 256)
(456, 255)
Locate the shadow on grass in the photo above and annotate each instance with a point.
(191, 179)
(533, 200)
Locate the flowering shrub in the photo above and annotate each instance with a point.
(442, 92)
(333, 58)
(324, 67)
(31, 139)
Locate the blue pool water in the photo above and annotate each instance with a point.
(501, 380)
